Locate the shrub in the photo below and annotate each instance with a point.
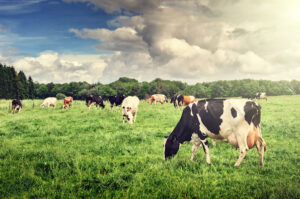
(60, 96)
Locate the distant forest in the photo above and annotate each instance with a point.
(16, 85)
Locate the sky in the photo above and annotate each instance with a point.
(188, 40)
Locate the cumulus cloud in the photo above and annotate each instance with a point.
(189, 40)
(52, 67)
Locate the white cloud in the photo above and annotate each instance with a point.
(52, 67)
(190, 40)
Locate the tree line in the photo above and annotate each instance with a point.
(16, 85)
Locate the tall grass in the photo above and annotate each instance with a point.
(81, 153)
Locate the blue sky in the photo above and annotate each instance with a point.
(44, 25)
(188, 40)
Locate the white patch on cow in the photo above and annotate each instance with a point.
(191, 105)
(205, 105)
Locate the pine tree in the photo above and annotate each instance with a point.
(22, 85)
(31, 91)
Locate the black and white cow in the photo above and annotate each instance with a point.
(261, 95)
(16, 105)
(116, 100)
(94, 100)
(173, 98)
(247, 96)
(236, 121)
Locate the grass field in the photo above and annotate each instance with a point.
(81, 153)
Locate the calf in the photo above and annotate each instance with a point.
(94, 100)
(67, 102)
(49, 101)
(158, 98)
(116, 100)
(236, 121)
(16, 105)
(130, 108)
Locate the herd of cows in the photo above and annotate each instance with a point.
(236, 121)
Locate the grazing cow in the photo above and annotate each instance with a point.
(236, 121)
(16, 106)
(67, 102)
(158, 98)
(173, 98)
(248, 96)
(130, 108)
(94, 100)
(181, 100)
(49, 101)
(261, 95)
(116, 99)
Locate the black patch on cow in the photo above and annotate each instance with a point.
(205, 143)
(211, 115)
(252, 113)
(233, 112)
(180, 100)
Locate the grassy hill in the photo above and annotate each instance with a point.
(46, 153)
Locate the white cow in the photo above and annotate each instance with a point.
(158, 98)
(130, 108)
(49, 101)
(261, 96)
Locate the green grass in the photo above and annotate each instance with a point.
(81, 153)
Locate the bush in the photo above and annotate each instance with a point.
(60, 96)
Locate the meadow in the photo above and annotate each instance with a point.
(81, 153)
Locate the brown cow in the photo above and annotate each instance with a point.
(67, 102)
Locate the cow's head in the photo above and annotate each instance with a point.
(128, 113)
(151, 100)
(171, 145)
(42, 105)
(17, 108)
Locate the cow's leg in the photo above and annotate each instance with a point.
(213, 142)
(206, 150)
(134, 116)
(196, 143)
(261, 147)
(194, 151)
(241, 136)
(124, 118)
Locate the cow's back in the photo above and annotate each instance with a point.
(50, 100)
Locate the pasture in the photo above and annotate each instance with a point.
(81, 153)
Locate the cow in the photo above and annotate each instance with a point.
(94, 100)
(67, 102)
(49, 101)
(130, 108)
(236, 121)
(247, 96)
(261, 95)
(180, 100)
(173, 98)
(116, 100)
(158, 98)
(16, 105)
